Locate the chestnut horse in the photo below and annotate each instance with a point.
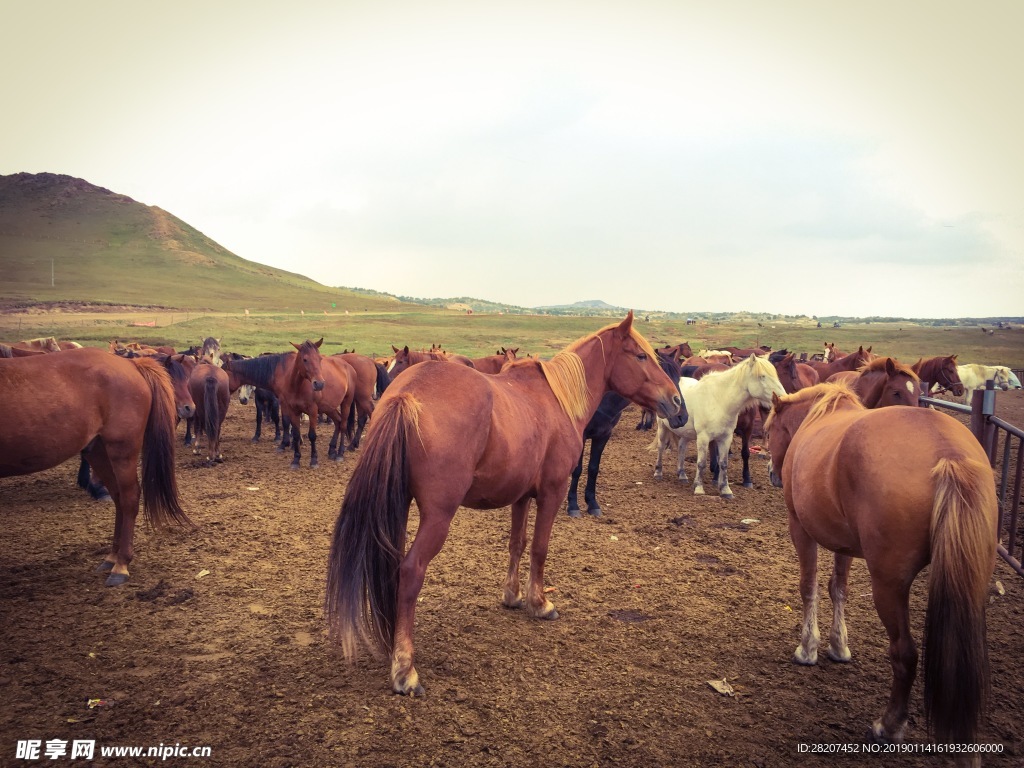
(494, 363)
(850, 362)
(900, 488)
(110, 410)
(940, 373)
(450, 436)
(883, 382)
(211, 391)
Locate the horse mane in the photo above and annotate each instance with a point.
(261, 369)
(878, 364)
(567, 378)
(827, 397)
(5, 351)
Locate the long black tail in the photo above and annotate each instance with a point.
(211, 417)
(369, 535)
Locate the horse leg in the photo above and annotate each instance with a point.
(838, 648)
(572, 504)
(430, 537)
(681, 460)
(748, 481)
(188, 430)
(597, 447)
(259, 422)
(513, 597)
(662, 441)
(702, 463)
(116, 467)
(537, 605)
(722, 444)
(807, 553)
(88, 480)
(314, 459)
(892, 601)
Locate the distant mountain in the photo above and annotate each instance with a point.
(65, 240)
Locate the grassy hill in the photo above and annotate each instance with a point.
(63, 239)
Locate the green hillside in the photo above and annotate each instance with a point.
(63, 239)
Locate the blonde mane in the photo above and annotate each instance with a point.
(827, 398)
(568, 381)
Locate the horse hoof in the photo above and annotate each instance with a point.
(727, 495)
(116, 579)
(103, 497)
(595, 512)
(293, 465)
(698, 491)
(105, 566)
(748, 485)
(805, 659)
(575, 512)
(840, 658)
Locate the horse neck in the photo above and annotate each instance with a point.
(731, 394)
(594, 356)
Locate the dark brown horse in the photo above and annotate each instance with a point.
(940, 373)
(900, 488)
(305, 382)
(450, 436)
(211, 391)
(112, 411)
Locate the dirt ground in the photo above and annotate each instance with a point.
(218, 638)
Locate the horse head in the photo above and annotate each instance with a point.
(633, 370)
(309, 362)
(761, 379)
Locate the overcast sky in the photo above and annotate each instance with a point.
(786, 157)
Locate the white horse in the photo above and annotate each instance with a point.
(713, 405)
(974, 375)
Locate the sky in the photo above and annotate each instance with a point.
(791, 157)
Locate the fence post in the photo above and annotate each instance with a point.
(983, 405)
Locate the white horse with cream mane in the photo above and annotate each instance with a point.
(713, 405)
(974, 375)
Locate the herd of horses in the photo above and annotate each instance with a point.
(862, 477)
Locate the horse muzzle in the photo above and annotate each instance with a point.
(318, 385)
(186, 411)
(776, 480)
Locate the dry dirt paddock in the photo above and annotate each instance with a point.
(218, 638)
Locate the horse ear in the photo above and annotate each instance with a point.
(317, 345)
(295, 345)
(627, 325)
(890, 366)
(953, 358)
(776, 402)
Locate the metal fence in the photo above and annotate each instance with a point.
(1004, 444)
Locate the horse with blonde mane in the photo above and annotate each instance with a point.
(900, 488)
(450, 436)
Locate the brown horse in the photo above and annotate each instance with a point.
(109, 409)
(449, 436)
(901, 488)
(850, 362)
(883, 382)
(940, 373)
(304, 382)
(404, 358)
(211, 391)
(371, 381)
(494, 363)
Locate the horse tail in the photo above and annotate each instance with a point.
(159, 481)
(350, 425)
(382, 380)
(956, 677)
(369, 535)
(211, 414)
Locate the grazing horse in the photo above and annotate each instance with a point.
(714, 404)
(305, 382)
(883, 382)
(974, 375)
(900, 488)
(211, 392)
(112, 411)
(599, 430)
(450, 436)
(940, 373)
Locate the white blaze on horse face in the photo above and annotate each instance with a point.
(245, 393)
(910, 387)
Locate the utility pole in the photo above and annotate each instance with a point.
(51, 273)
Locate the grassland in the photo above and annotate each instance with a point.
(374, 333)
